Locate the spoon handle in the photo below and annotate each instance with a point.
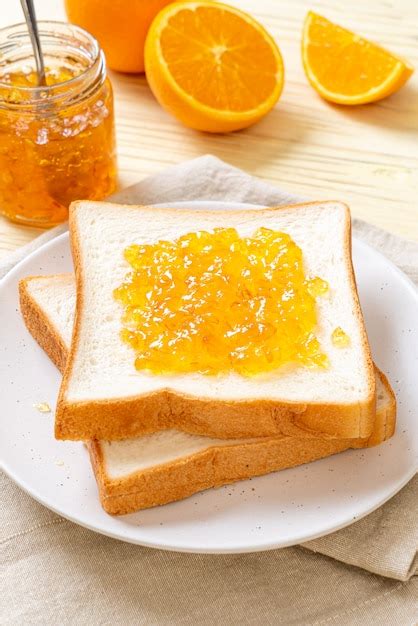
(30, 17)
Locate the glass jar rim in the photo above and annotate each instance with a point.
(16, 36)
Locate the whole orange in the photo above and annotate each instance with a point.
(120, 26)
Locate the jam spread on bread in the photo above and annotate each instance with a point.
(339, 338)
(216, 302)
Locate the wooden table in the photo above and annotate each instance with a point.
(366, 156)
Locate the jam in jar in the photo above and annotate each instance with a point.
(57, 142)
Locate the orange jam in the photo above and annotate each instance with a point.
(57, 141)
(53, 76)
(339, 338)
(215, 302)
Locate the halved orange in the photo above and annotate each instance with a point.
(347, 69)
(212, 66)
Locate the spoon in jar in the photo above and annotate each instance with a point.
(30, 17)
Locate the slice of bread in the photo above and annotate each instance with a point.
(170, 465)
(104, 396)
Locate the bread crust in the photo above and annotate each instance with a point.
(221, 465)
(115, 419)
(385, 424)
(140, 415)
(41, 326)
(215, 466)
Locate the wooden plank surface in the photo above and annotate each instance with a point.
(366, 156)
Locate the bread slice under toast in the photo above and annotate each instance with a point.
(104, 396)
(170, 465)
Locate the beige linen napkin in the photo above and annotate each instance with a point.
(56, 572)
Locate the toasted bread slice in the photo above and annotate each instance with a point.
(166, 466)
(147, 471)
(104, 396)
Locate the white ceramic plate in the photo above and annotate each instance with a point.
(278, 510)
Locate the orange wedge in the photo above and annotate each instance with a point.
(347, 69)
(212, 66)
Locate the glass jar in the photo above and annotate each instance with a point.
(57, 142)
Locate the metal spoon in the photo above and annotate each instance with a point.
(30, 17)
